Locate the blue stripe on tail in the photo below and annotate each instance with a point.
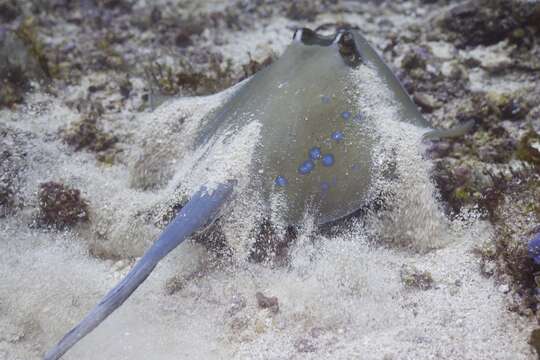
(198, 212)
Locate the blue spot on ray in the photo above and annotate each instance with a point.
(306, 167)
(328, 160)
(325, 186)
(325, 99)
(346, 115)
(281, 181)
(337, 136)
(315, 153)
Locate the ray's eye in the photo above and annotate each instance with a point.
(344, 39)
(297, 36)
(348, 50)
(310, 37)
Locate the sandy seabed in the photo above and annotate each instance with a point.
(339, 297)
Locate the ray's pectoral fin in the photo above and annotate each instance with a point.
(198, 212)
(408, 108)
(456, 131)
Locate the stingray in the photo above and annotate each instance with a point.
(314, 150)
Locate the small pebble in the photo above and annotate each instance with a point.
(260, 326)
(238, 303)
(304, 346)
(266, 302)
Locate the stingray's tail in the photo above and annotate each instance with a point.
(199, 211)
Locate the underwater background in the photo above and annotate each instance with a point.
(99, 103)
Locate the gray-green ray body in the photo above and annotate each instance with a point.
(306, 102)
